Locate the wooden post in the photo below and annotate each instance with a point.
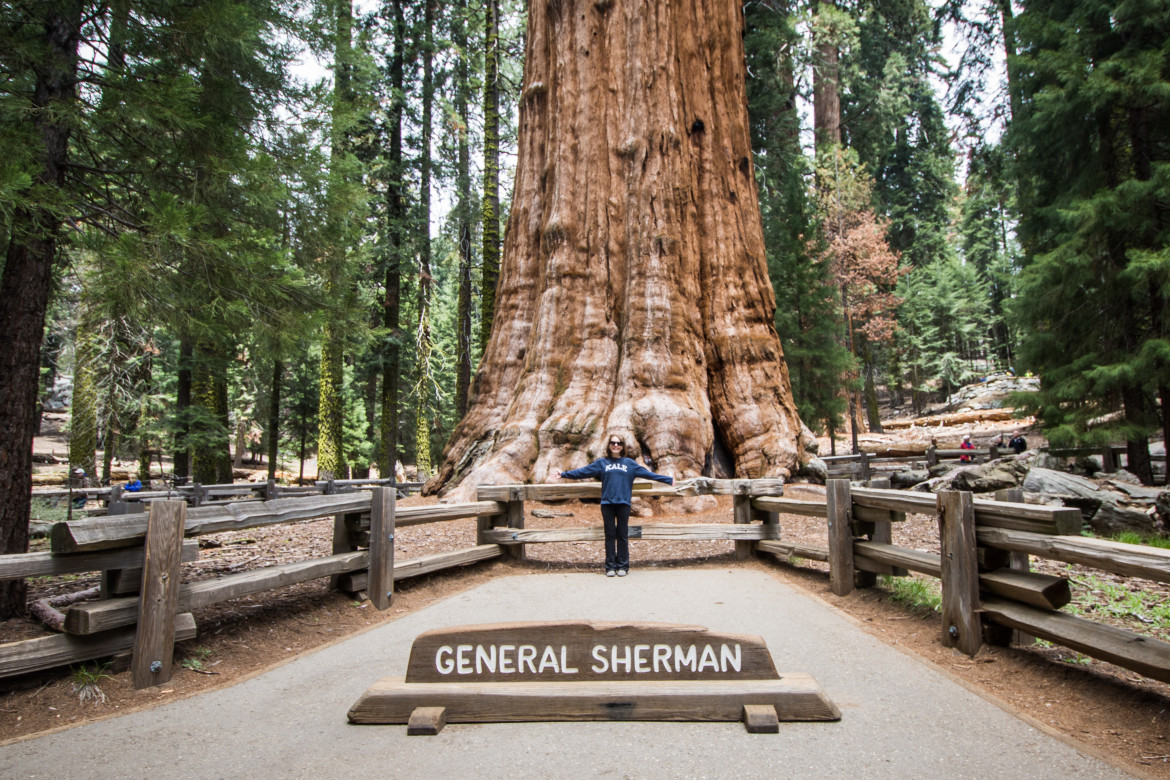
(515, 517)
(960, 572)
(122, 582)
(115, 497)
(877, 531)
(1108, 460)
(381, 582)
(840, 511)
(154, 642)
(992, 452)
(864, 457)
(1018, 561)
(742, 515)
(931, 456)
(345, 539)
(198, 494)
(270, 490)
(766, 518)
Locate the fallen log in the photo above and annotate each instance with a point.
(46, 610)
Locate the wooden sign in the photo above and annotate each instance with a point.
(582, 670)
(573, 651)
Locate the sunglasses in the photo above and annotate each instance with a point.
(616, 444)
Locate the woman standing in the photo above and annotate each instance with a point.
(617, 474)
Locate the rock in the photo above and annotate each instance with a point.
(989, 477)
(817, 470)
(903, 480)
(639, 508)
(694, 504)
(1121, 475)
(1109, 508)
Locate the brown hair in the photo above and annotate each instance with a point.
(610, 438)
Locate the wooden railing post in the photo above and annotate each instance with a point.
(515, 517)
(880, 531)
(1017, 561)
(381, 579)
(840, 512)
(122, 582)
(742, 515)
(154, 642)
(931, 456)
(270, 490)
(1108, 460)
(346, 535)
(960, 572)
(863, 456)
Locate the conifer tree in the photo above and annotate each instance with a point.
(463, 227)
(490, 253)
(807, 313)
(425, 382)
(1093, 142)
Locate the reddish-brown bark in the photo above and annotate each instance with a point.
(634, 294)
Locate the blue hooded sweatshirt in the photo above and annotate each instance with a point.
(617, 477)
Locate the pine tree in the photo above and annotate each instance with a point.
(807, 313)
(1093, 139)
(425, 381)
(491, 170)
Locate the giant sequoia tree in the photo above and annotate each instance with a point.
(634, 292)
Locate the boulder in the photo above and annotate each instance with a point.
(816, 470)
(990, 477)
(1109, 506)
(902, 480)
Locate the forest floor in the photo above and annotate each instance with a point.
(1109, 711)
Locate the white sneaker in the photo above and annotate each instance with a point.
(622, 572)
(610, 572)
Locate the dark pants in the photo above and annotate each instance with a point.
(616, 519)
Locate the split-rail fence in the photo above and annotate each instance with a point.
(988, 591)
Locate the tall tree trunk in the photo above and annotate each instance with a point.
(872, 410)
(331, 407)
(83, 408)
(826, 82)
(1137, 449)
(28, 278)
(396, 238)
(463, 211)
(634, 295)
(425, 349)
(491, 170)
(210, 452)
(182, 461)
(331, 461)
(1007, 20)
(274, 416)
(109, 446)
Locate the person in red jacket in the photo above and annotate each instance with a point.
(617, 474)
(966, 445)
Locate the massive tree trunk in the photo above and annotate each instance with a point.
(634, 294)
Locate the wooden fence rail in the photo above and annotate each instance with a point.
(151, 550)
(987, 587)
(863, 466)
(986, 584)
(198, 494)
